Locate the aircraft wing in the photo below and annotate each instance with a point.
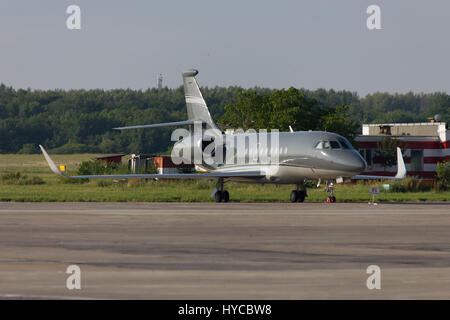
(213, 175)
(158, 125)
(401, 170)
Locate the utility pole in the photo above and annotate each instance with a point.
(160, 81)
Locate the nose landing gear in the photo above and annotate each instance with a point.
(330, 189)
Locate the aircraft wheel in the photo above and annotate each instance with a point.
(294, 196)
(330, 200)
(225, 196)
(218, 196)
(300, 196)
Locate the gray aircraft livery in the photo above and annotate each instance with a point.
(251, 157)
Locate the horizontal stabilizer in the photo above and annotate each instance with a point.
(158, 125)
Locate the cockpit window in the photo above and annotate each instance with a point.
(319, 145)
(345, 144)
(334, 145)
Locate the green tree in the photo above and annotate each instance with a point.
(443, 174)
(277, 109)
(336, 120)
(69, 121)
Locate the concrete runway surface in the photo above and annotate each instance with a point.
(225, 250)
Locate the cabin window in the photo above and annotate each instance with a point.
(319, 145)
(326, 145)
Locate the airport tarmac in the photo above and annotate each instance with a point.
(225, 250)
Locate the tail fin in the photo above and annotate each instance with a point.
(196, 105)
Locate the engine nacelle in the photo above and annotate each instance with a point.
(199, 151)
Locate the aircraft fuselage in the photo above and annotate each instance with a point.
(300, 157)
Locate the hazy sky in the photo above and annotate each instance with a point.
(303, 43)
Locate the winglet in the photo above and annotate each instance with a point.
(401, 169)
(50, 162)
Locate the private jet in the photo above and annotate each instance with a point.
(295, 157)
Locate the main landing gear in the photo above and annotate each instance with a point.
(330, 189)
(299, 194)
(221, 195)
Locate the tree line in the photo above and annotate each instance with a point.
(81, 121)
